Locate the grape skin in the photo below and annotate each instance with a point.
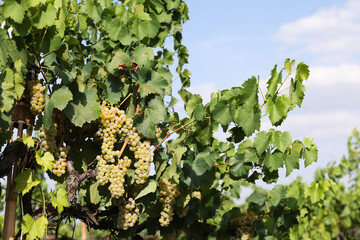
(168, 192)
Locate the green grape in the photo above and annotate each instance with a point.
(168, 193)
(128, 214)
(37, 97)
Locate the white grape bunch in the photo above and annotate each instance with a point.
(37, 97)
(168, 192)
(112, 166)
(128, 214)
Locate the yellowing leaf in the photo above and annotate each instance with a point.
(46, 161)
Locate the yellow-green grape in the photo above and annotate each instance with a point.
(243, 225)
(37, 97)
(182, 212)
(47, 138)
(60, 164)
(117, 177)
(128, 214)
(158, 132)
(196, 194)
(168, 193)
(143, 158)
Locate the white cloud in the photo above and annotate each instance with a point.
(330, 76)
(335, 30)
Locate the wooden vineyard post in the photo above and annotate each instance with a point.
(22, 119)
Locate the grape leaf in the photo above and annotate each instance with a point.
(249, 92)
(4, 47)
(154, 113)
(275, 79)
(221, 113)
(60, 201)
(24, 182)
(273, 161)
(297, 92)
(93, 9)
(84, 107)
(291, 162)
(203, 162)
(277, 110)
(143, 55)
(140, 14)
(276, 194)
(15, 11)
(238, 168)
(6, 90)
(59, 99)
(261, 142)
(302, 72)
(46, 161)
(258, 196)
(282, 140)
(147, 29)
(47, 17)
(316, 191)
(150, 187)
(34, 229)
(120, 57)
(28, 141)
(288, 65)
(310, 155)
(248, 117)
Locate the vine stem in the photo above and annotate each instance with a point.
(168, 135)
(277, 91)
(138, 102)
(43, 197)
(127, 139)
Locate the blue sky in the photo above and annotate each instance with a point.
(231, 40)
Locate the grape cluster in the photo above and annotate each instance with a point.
(48, 138)
(60, 164)
(37, 97)
(243, 225)
(48, 144)
(168, 192)
(116, 127)
(128, 214)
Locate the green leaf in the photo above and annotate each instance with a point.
(308, 142)
(248, 117)
(316, 191)
(297, 92)
(203, 162)
(46, 161)
(249, 92)
(238, 167)
(34, 229)
(291, 162)
(275, 79)
(147, 29)
(258, 196)
(140, 14)
(277, 194)
(15, 11)
(273, 161)
(150, 187)
(310, 155)
(114, 90)
(4, 47)
(61, 200)
(302, 72)
(7, 90)
(288, 65)
(282, 140)
(59, 99)
(24, 182)
(93, 9)
(95, 197)
(143, 55)
(153, 114)
(120, 57)
(250, 155)
(193, 104)
(277, 110)
(261, 142)
(221, 113)
(47, 17)
(84, 107)
(28, 141)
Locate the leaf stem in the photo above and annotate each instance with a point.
(43, 197)
(282, 83)
(168, 135)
